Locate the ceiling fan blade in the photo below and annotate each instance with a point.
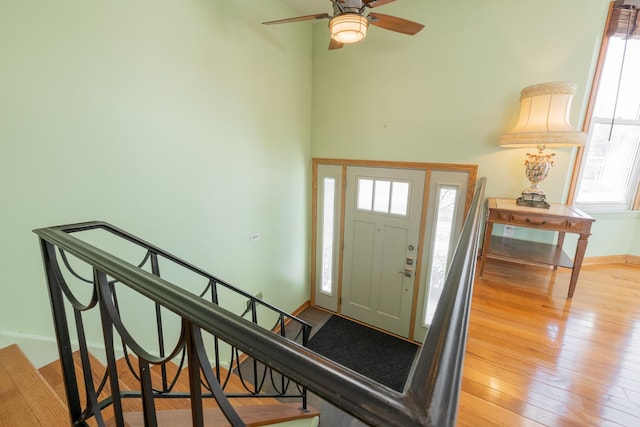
(376, 3)
(333, 44)
(393, 23)
(317, 17)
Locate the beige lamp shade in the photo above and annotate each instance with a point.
(544, 118)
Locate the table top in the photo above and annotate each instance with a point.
(555, 209)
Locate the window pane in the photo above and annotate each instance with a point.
(399, 198)
(626, 101)
(328, 215)
(381, 199)
(609, 174)
(441, 248)
(609, 165)
(365, 194)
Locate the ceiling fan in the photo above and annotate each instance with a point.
(349, 25)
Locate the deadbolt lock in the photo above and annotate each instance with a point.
(409, 260)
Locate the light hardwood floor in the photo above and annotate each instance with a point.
(536, 358)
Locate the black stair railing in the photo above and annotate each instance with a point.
(430, 397)
(258, 380)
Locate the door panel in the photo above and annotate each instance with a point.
(391, 279)
(362, 264)
(382, 227)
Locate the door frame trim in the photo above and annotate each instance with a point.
(472, 171)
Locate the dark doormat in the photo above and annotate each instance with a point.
(374, 354)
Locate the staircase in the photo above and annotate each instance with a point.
(37, 398)
(106, 296)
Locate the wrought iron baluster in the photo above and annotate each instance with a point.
(148, 405)
(306, 331)
(93, 409)
(61, 327)
(216, 344)
(193, 367)
(283, 384)
(254, 319)
(214, 385)
(155, 269)
(108, 289)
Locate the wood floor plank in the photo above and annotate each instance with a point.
(533, 356)
(25, 397)
(52, 373)
(481, 413)
(251, 415)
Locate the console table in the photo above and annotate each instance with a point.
(558, 218)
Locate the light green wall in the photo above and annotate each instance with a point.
(192, 125)
(448, 93)
(184, 122)
(635, 246)
(615, 233)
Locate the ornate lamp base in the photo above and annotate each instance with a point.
(537, 168)
(535, 200)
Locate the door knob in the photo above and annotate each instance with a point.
(407, 272)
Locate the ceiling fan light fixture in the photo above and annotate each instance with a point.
(348, 28)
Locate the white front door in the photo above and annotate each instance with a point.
(381, 235)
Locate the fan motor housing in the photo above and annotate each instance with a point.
(352, 6)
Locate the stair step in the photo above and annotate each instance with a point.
(252, 415)
(53, 375)
(25, 397)
(254, 411)
(129, 382)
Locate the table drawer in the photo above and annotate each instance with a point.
(538, 221)
(499, 216)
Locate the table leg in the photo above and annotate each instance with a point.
(577, 263)
(485, 246)
(558, 254)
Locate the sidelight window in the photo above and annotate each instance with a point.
(328, 231)
(445, 216)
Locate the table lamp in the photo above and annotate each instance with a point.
(543, 122)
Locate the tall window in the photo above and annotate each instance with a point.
(328, 231)
(447, 196)
(610, 170)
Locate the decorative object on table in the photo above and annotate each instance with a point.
(543, 122)
(348, 24)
